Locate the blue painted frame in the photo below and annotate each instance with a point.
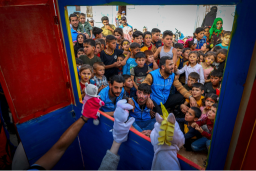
(242, 43)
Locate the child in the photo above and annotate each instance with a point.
(199, 37)
(216, 48)
(137, 37)
(80, 52)
(97, 48)
(191, 116)
(208, 47)
(109, 57)
(215, 77)
(99, 78)
(79, 63)
(192, 66)
(103, 44)
(208, 101)
(220, 60)
(97, 32)
(128, 86)
(84, 27)
(118, 32)
(130, 63)
(192, 45)
(167, 49)
(206, 33)
(89, 57)
(180, 59)
(185, 53)
(128, 33)
(156, 41)
(209, 59)
(225, 38)
(150, 60)
(119, 59)
(147, 42)
(85, 73)
(193, 77)
(201, 57)
(125, 46)
(79, 42)
(139, 72)
(203, 143)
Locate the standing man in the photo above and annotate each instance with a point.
(108, 29)
(73, 19)
(124, 23)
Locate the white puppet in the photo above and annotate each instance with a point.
(166, 138)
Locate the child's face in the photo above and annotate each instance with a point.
(221, 58)
(135, 50)
(215, 80)
(192, 58)
(118, 36)
(138, 39)
(119, 60)
(82, 19)
(111, 44)
(80, 39)
(193, 47)
(140, 62)
(128, 83)
(209, 102)
(79, 53)
(147, 40)
(219, 25)
(209, 60)
(155, 37)
(203, 48)
(206, 32)
(212, 113)
(126, 46)
(88, 49)
(97, 49)
(191, 81)
(226, 40)
(190, 116)
(185, 54)
(168, 40)
(100, 71)
(197, 92)
(179, 52)
(150, 59)
(85, 75)
(130, 33)
(200, 35)
(201, 58)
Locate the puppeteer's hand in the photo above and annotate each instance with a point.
(93, 115)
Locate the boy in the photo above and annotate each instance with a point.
(120, 59)
(89, 57)
(139, 72)
(137, 37)
(107, 29)
(84, 27)
(147, 42)
(80, 52)
(225, 39)
(193, 77)
(180, 59)
(130, 63)
(215, 77)
(156, 37)
(109, 57)
(150, 60)
(118, 33)
(97, 48)
(99, 78)
(128, 86)
(203, 143)
(97, 32)
(191, 116)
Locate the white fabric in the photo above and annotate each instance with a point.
(120, 128)
(91, 90)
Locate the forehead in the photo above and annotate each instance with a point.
(191, 111)
(139, 37)
(147, 35)
(169, 61)
(219, 22)
(195, 88)
(191, 78)
(116, 84)
(86, 71)
(168, 37)
(73, 18)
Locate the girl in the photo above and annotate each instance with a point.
(209, 59)
(216, 31)
(199, 38)
(86, 74)
(119, 37)
(220, 60)
(125, 44)
(127, 31)
(201, 57)
(79, 42)
(208, 101)
(192, 66)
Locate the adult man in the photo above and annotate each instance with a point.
(108, 29)
(73, 19)
(161, 81)
(124, 23)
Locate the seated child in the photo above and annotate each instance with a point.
(130, 63)
(147, 42)
(201, 56)
(119, 60)
(139, 72)
(208, 101)
(80, 52)
(225, 39)
(180, 58)
(85, 73)
(97, 48)
(150, 60)
(193, 77)
(137, 37)
(84, 27)
(118, 32)
(89, 57)
(128, 86)
(220, 60)
(99, 77)
(207, 65)
(211, 87)
(190, 134)
(97, 32)
(203, 143)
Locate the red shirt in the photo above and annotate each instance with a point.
(98, 54)
(209, 124)
(82, 86)
(150, 47)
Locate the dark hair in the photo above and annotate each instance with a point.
(155, 30)
(122, 56)
(137, 34)
(79, 61)
(216, 73)
(120, 31)
(98, 64)
(201, 53)
(222, 51)
(216, 48)
(82, 14)
(96, 30)
(102, 41)
(123, 18)
(84, 67)
(145, 88)
(193, 52)
(126, 76)
(206, 27)
(226, 33)
(212, 96)
(148, 52)
(134, 45)
(109, 38)
(104, 18)
(125, 40)
(184, 50)
(197, 111)
(90, 42)
(208, 46)
(198, 30)
(194, 75)
(211, 54)
(97, 42)
(80, 50)
(72, 15)
(140, 55)
(215, 105)
(145, 33)
(167, 33)
(163, 60)
(116, 78)
(198, 85)
(190, 43)
(178, 46)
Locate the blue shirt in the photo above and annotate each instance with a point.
(123, 26)
(223, 47)
(201, 42)
(73, 34)
(130, 63)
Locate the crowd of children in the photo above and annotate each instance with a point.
(199, 65)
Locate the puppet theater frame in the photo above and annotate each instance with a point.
(38, 76)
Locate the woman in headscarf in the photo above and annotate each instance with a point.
(79, 42)
(210, 17)
(216, 31)
(127, 33)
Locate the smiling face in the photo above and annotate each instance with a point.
(147, 40)
(74, 22)
(85, 75)
(168, 67)
(179, 52)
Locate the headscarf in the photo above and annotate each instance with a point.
(126, 31)
(78, 45)
(214, 27)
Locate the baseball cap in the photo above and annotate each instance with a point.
(123, 11)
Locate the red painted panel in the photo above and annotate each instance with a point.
(31, 64)
(21, 2)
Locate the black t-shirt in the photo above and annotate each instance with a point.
(208, 88)
(110, 59)
(139, 73)
(157, 44)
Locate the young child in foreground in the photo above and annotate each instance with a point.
(99, 77)
(211, 87)
(85, 73)
(208, 101)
